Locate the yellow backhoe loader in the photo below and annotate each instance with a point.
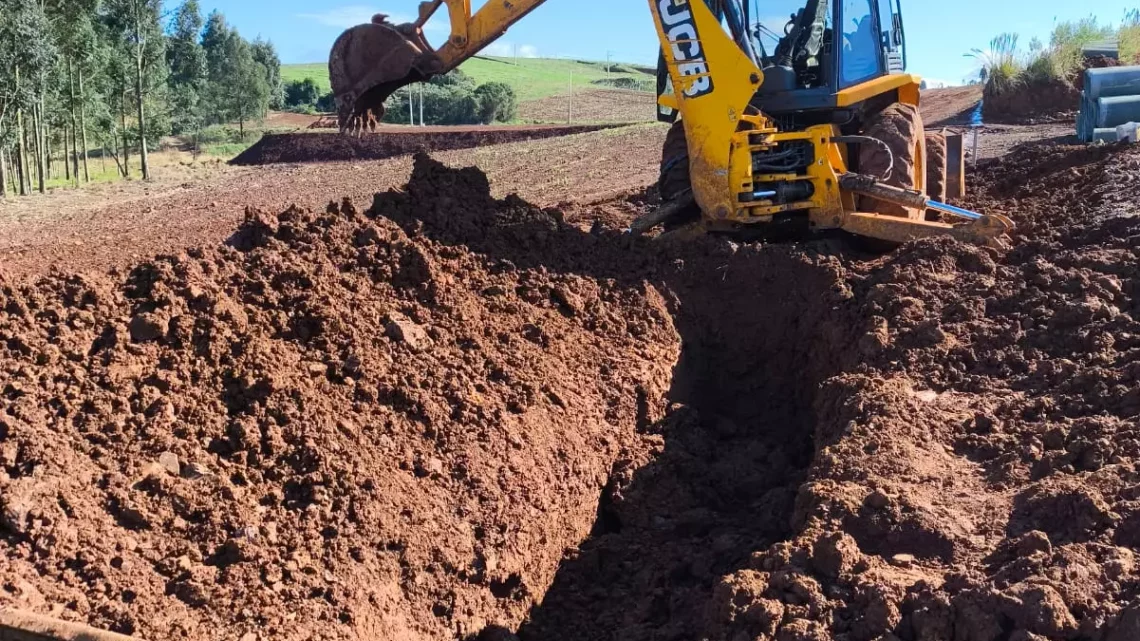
(818, 126)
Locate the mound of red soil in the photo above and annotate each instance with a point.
(320, 147)
(974, 475)
(325, 429)
(1034, 103)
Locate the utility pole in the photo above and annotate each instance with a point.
(422, 123)
(411, 107)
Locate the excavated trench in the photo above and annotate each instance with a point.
(736, 446)
(761, 328)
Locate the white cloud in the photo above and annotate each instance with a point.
(342, 17)
(351, 15)
(509, 50)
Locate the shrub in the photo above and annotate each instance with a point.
(1045, 67)
(496, 102)
(624, 82)
(1130, 38)
(218, 134)
(454, 102)
(1002, 65)
(1068, 40)
(327, 103)
(453, 78)
(302, 92)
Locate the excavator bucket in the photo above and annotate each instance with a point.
(370, 62)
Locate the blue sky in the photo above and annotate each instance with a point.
(939, 32)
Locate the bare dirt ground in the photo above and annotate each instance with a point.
(593, 105)
(115, 225)
(952, 106)
(452, 416)
(281, 119)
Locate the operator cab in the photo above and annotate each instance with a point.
(807, 61)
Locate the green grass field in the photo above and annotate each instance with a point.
(532, 78)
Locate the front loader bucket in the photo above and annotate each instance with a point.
(370, 62)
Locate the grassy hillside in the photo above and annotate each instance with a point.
(318, 71)
(532, 78)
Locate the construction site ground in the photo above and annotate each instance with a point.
(392, 399)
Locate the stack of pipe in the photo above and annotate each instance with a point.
(1111, 98)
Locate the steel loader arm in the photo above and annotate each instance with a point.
(371, 62)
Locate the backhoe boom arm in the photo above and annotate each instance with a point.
(470, 34)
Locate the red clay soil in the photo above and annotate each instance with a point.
(329, 147)
(950, 106)
(326, 428)
(1033, 103)
(453, 416)
(1097, 62)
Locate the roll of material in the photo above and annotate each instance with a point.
(1104, 135)
(1086, 119)
(1110, 82)
(1117, 110)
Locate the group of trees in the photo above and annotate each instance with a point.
(453, 99)
(305, 96)
(109, 78)
(450, 99)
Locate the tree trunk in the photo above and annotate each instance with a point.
(74, 124)
(241, 128)
(139, 44)
(34, 145)
(21, 159)
(74, 158)
(41, 147)
(126, 166)
(83, 124)
(22, 152)
(3, 174)
(47, 151)
(29, 156)
(66, 160)
(115, 157)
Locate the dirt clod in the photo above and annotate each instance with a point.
(169, 462)
(400, 328)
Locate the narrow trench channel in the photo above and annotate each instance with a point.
(758, 339)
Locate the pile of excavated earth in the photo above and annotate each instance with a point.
(389, 142)
(448, 416)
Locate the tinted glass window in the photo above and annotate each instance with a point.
(860, 57)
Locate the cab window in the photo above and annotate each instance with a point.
(860, 58)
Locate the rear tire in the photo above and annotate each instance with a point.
(937, 179)
(673, 181)
(899, 125)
